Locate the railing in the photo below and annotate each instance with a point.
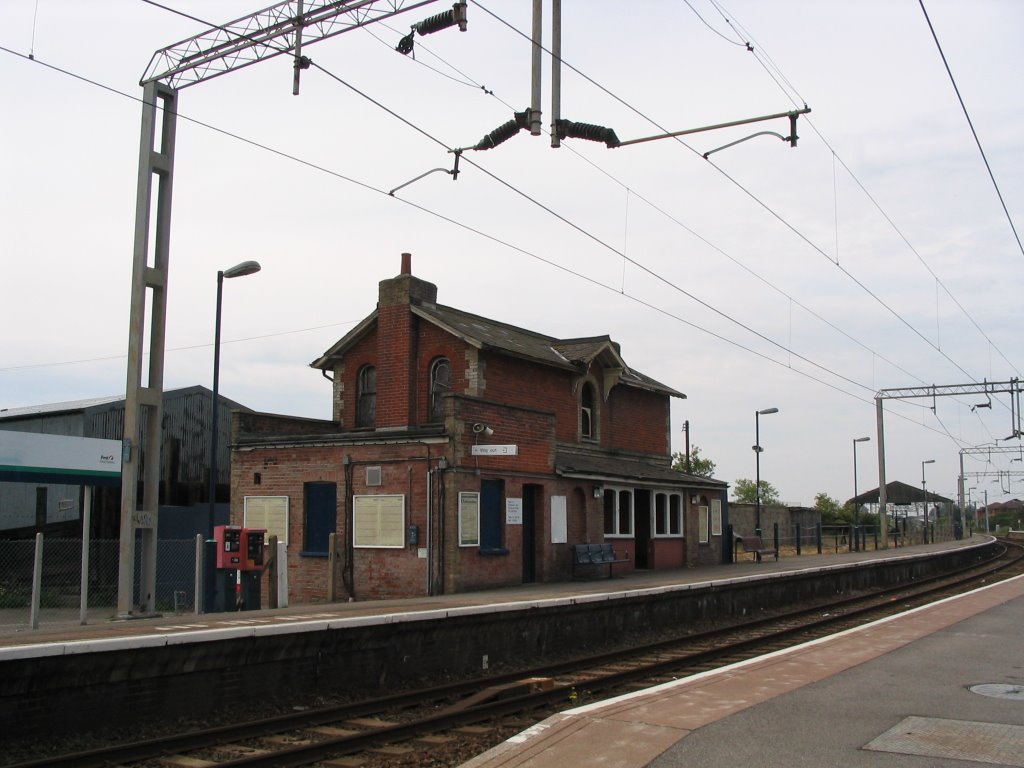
(41, 581)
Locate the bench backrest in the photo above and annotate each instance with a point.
(752, 542)
(581, 553)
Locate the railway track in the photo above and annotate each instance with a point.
(445, 724)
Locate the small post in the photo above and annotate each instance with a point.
(775, 538)
(272, 591)
(798, 540)
(332, 557)
(37, 582)
(818, 535)
(83, 592)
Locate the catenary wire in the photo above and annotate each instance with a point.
(974, 133)
(582, 231)
(749, 193)
(370, 187)
(811, 123)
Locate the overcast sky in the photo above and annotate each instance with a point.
(875, 254)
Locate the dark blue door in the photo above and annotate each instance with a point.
(321, 517)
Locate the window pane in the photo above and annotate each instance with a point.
(625, 512)
(366, 405)
(675, 514)
(660, 514)
(440, 382)
(609, 512)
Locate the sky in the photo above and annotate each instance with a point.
(875, 254)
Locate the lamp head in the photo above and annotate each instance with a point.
(766, 411)
(243, 269)
(861, 439)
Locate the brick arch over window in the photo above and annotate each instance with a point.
(589, 411)
(366, 397)
(440, 383)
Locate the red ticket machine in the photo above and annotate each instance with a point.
(229, 546)
(252, 542)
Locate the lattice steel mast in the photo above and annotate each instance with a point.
(280, 29)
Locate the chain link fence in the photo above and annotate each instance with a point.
(60, 593)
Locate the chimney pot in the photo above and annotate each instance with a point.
(406, 264)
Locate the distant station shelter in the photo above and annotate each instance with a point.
(905, 501)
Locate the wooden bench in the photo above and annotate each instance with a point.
(756, 547)
(595, 554)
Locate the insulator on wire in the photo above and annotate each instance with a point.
(457, 15)
(571, 130)
(405, 45)
(504, 132)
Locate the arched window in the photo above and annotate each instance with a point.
(440, 382)
(588, 412)
(366, 397)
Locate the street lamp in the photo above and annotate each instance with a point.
(925, 494)
(757, 453)
(856, 504)
(239, 270)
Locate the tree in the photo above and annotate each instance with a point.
(831, 510)
(699, 466)
(744, 491)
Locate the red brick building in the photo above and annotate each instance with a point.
(465, 453)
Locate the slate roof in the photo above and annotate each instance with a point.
(899, 493)
(486, 334)
(628, 469)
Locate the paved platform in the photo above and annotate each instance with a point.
(63, 633)
(897, 692)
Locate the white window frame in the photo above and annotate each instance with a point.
(704, 521)
(618, 533)
(669, 495)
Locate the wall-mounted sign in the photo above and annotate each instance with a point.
(513, 511)
(494, 450)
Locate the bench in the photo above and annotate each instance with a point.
(756, 547)
(895, 535)
(595, 554)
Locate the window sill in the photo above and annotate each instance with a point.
(493, 551)
(313, 554)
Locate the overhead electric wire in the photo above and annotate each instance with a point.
(498, 240)
(974, 133)
(762, 57)
(746, 191)
(370, 187)
(472, 83)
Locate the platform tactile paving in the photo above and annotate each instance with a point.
(994, 743)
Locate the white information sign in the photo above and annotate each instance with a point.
(513, 511)
(494, 450)
(559, 527)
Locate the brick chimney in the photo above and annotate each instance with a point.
(398, 347)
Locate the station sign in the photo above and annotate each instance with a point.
(494, 450)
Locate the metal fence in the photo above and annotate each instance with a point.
(819, 539)
(57, 564)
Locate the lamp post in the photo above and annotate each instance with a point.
(239, 270)
(757, 454)
(924, 493)
(856, 504)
